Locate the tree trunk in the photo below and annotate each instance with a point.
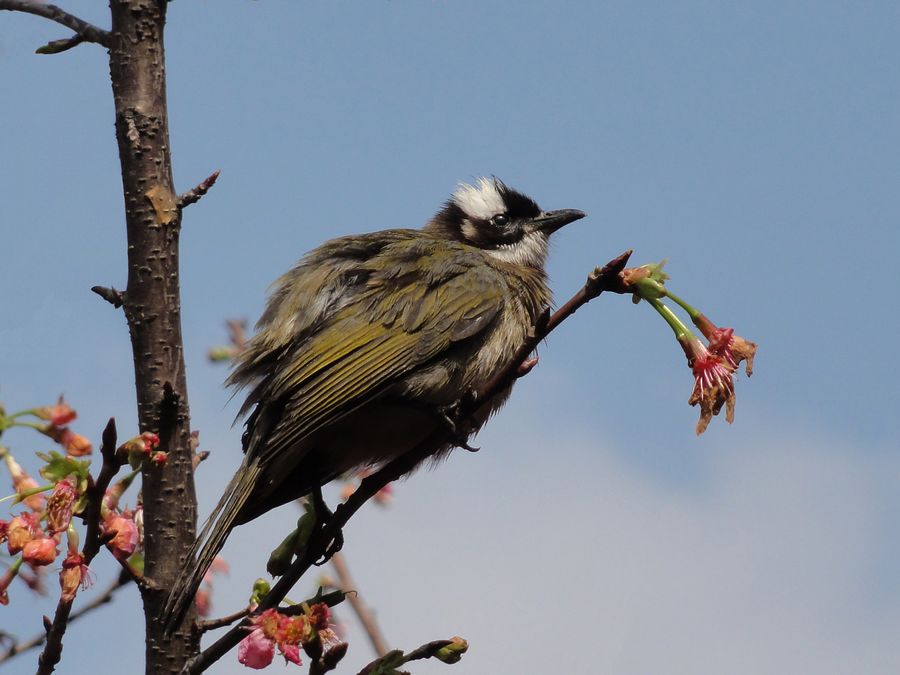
(153, 309)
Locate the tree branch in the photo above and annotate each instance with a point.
(102, 599)
(363, 613)
(598, 281)
(57, 629)
(87, 32)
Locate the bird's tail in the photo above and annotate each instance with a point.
(209, 542)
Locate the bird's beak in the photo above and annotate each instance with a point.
(550, 221)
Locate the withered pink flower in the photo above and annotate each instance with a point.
(74, 574)
(40, 551)
(22, 483)
(731, 348)
(59, 506)
(256, 650)
(58, 415)
(320, 616)
(22, 529)
(713, 383)
(124, 535)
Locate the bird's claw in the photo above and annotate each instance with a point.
(450, 416)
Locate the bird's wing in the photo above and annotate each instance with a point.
(420, 297)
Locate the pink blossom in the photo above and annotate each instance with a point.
(256, 650)
(40, 551)
(124, 535)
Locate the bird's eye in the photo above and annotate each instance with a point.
(499, 220)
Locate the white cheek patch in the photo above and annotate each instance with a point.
(481, 201)
(530, 250)
(469, 230)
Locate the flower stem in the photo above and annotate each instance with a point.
(681, 331)
(693, 312)
(25, 494)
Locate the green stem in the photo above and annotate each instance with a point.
(694, 313)
(681, 331)
(31, 425)
(22, 496)
(22, 413)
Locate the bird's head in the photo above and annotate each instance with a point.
(503, 222)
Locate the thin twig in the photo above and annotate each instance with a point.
(363, 613)
(92, 542)
(60, 46)
(426, 651)
(194, 195)
(87, 31)
(600, 280)
(110, 294)
(99, 601)
(212, 624)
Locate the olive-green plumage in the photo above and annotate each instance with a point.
(368, 339)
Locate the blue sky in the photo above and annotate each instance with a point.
(755, 145)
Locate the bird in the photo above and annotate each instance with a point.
(367, 341)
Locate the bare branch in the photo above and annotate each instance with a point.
(102, 599)
(363, 613)
(598, 281)
(88, 32)
(193, 196)
(60, 46)
(212, 624)
(57, 629)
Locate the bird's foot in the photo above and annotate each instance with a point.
(452, 417)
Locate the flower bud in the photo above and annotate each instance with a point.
(453, 652)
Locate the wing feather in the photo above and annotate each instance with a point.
(407, 315)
